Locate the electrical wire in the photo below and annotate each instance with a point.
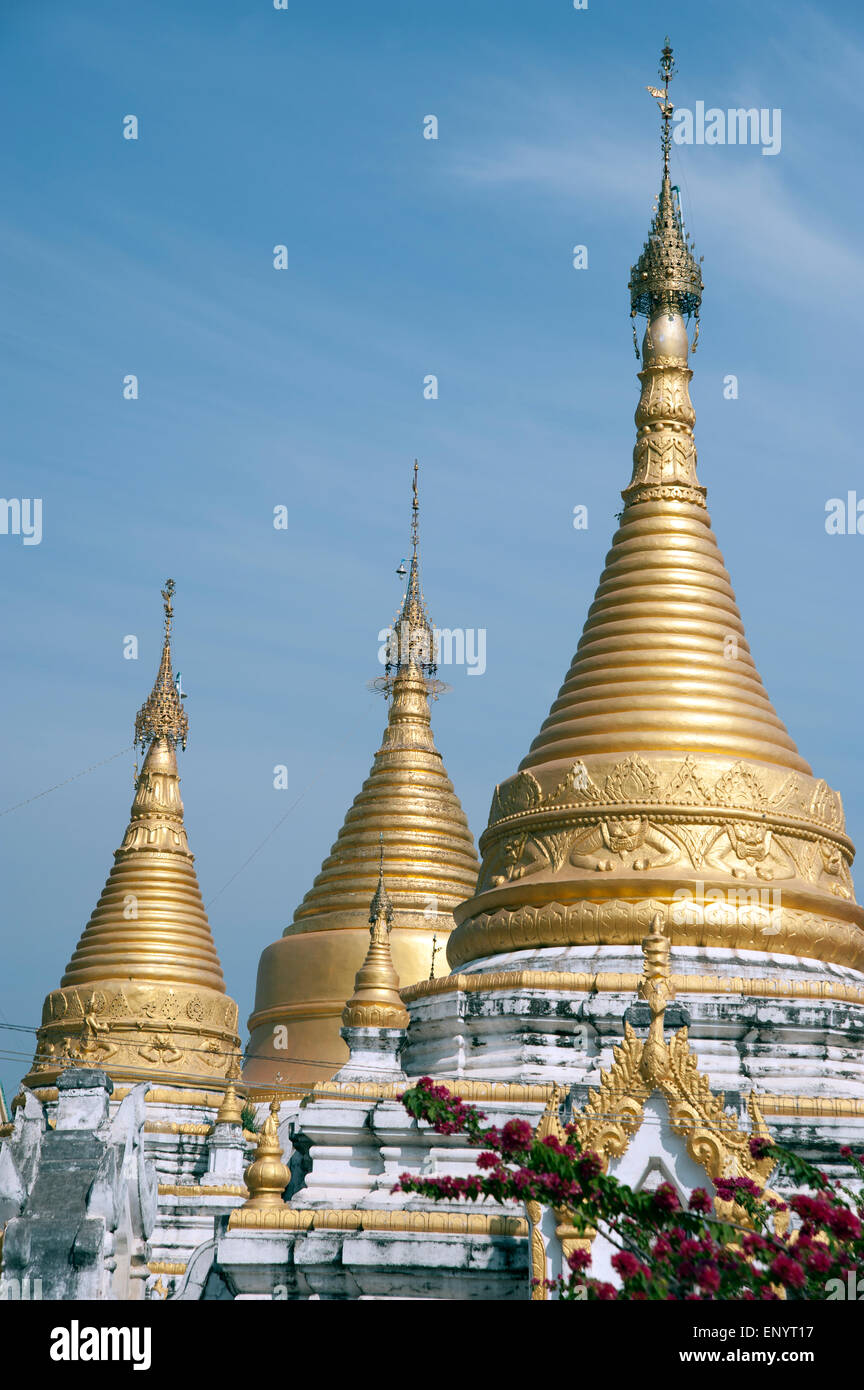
(66, 781)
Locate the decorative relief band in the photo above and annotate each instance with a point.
(618, 922)
(469, 1089)
(689, 817)
(691, 784)
(611, 982)
(351, 1219)
(139, 1028)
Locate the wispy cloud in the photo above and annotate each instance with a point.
(771, 234)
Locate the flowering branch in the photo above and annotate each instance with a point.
(663, 1251)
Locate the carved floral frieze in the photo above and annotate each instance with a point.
(742, 822)
(140, 1028)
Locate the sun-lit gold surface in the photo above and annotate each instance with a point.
(267, 1176)
(305, 978)
(230, 1112)
(822, 1107)
(143, 995)
(357, 1219)
(662, 765)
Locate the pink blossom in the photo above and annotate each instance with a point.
(517, 1136)
(788, 1271)
(759, 1146)
(819, 1261)
(626, 1264)
(666, 1198)
(844, 1223)
(709, 1278)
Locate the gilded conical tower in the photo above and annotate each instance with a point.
(662, 778)
(306, 976)
(143, 996)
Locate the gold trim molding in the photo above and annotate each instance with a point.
(537, 1252)
(612, 982)
(823, 1107)
(170, 1127)
(351, 1219)
(203, 1100)
(621, 922)
(208, 1100)
(537, 1093)
(230, 1189)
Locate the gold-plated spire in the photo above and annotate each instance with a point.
(666, 277)
(663, 662)
(667, 71)
(143, 994)
(162, 715)
(376, 1002)
(413, 637)
(306, 976)
(662, 772)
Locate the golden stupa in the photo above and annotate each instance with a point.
(663, 779)
(305, 978)
(143, 996)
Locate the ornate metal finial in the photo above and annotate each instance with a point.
(376, 1002)
(413, 638)
(667, 275)
(168, 605)
(656, 985)
(162, 715)
(666, 72)
(656, 989)
(267, 1176)
(230, 1112)
(381, 906)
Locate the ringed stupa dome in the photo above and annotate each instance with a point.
(663, 778)
(143, 996)
(306, 976)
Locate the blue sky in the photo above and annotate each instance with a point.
(304, 387)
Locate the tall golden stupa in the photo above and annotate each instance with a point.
(306, 976)
(663, 779)
(143, 996)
